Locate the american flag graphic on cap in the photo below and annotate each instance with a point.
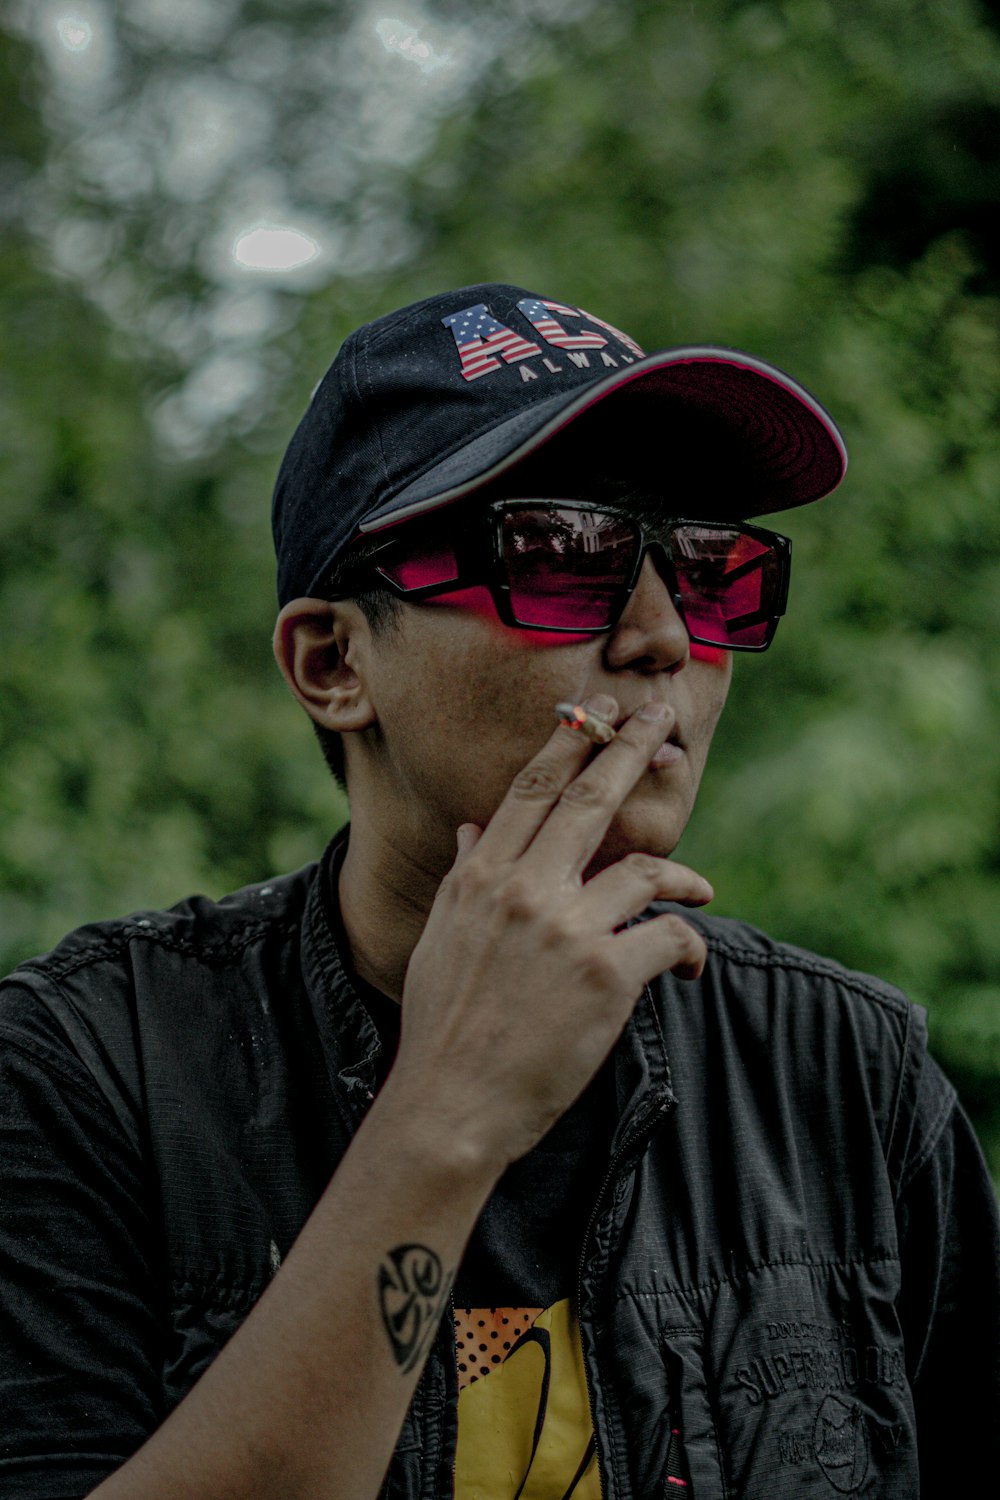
(480, 337)
(539, 314)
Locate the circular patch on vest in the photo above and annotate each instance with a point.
(840, 1443)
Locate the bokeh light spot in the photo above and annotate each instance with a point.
(270, 247)
(74, 32)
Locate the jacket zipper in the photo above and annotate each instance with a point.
(639, 1131)
(454, 1456)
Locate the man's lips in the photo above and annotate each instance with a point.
(668, 754)
(670, 751)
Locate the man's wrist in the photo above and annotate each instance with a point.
(417, 1124)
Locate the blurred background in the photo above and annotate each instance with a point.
(200, 198)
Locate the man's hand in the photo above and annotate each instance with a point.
(521, 982)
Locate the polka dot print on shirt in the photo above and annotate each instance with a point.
(484, 1336)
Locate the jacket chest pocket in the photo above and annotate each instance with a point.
(694, 1460)
(789, 1383)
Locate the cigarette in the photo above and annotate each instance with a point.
(575, 716)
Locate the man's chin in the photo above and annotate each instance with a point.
(636, 835)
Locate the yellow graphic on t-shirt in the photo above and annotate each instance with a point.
(524, 1425)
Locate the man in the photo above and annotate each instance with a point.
(474, 1158)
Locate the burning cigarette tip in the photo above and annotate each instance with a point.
(575, 716)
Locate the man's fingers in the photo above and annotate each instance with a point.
(580, 817)
(662, 943)
(535, 791)
(625, 889)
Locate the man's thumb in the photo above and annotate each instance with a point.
(468, 837)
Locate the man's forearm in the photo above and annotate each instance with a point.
(308, 1397)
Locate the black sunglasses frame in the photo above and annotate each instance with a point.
(479, 559)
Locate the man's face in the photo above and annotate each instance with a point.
(464, 701)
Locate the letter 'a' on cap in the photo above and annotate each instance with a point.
(426, 405)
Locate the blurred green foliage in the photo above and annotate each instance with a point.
(809, 181)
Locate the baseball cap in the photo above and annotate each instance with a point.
(426, 405)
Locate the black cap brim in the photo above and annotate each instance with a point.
(786, 443)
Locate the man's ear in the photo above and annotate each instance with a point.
(322, 650)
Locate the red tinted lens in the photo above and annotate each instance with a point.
(566, 568)
(420, 560)
(728, 584)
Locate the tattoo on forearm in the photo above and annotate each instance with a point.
(413, 1292)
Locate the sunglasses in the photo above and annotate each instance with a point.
(568, 565)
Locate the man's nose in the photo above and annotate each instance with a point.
(650, 636)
